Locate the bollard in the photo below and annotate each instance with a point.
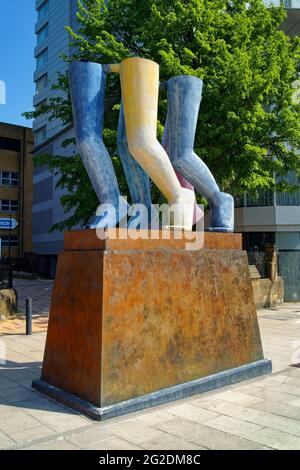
(28, 317)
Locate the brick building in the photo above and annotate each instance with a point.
(16, 169)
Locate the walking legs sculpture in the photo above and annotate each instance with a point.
(137, 138)
(184, 98)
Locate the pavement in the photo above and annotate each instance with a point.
(39, 290)
(262, 413)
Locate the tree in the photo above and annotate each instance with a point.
(249, 127)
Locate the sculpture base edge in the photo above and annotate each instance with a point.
(177, 392)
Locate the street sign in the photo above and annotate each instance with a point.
(6, 224)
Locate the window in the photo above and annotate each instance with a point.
(9, 178)
(40, 135)
(40, 105)
(291, 3)
(10, 144)
(42, 34)
(5, 178)
(42, 59)
(9, 206)
(4, 205)
(289, 199)
(14, 240)
(14, 206)
(41, 83)
(43, 10)
(14, 179)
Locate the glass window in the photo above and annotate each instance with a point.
(42, 103)
(8, 178)
(42, 59)
(10, 144)
(5, 205)
(14, 240)
(262, 198)
(15, 179)
(41, 83)
(5, 178)
(43, 10)
(289, 199)
(14, 206)
(42, 34)
(291, 3)
(40, 135)
(9, 206)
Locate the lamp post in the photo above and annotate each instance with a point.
(9, 240)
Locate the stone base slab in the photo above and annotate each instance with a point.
(178, 392)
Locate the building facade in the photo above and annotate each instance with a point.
(52, 40)
(16, 169)
(275, 217)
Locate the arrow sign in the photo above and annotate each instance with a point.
(6, 224)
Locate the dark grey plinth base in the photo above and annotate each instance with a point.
(177, 392)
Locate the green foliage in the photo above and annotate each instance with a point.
(249, 125)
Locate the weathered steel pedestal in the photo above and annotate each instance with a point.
(136, 323)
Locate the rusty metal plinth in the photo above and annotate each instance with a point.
(133, 318)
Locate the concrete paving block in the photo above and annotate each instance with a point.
(192, 412)
(114, 443)
(205, 436)
(278, 408)
(237, 396)
(288, 425)
(89, 437)
(60, 444)
(169, 442)
(5, 440)
(134, 431)
(276, 439)
(233, 426)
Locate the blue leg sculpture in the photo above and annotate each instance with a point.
(87, 86)
(198, 214)
(184, 99)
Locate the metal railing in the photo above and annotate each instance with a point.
(258, 259)
(6, 276)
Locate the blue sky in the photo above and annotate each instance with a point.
(17, 64)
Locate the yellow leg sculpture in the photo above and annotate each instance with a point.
(140, 88)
